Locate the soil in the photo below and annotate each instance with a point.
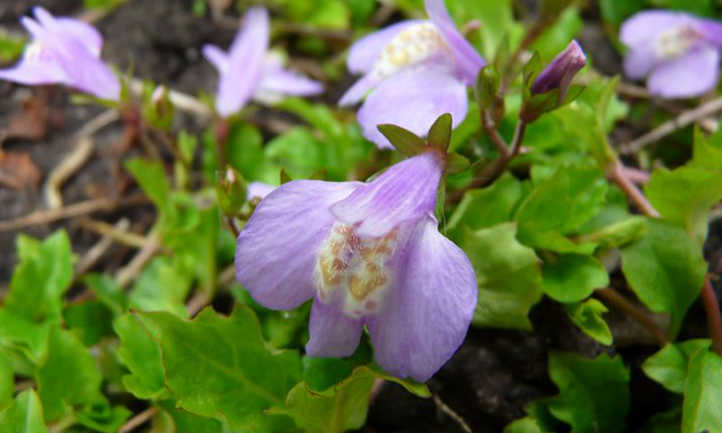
(489, 380)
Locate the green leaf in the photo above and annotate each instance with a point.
(669, 365)
(162, 286)
(403, 140)
(7, 381)
(108, 292)
(245, 153)
(593, 393)
(524, 425)
(587, 316)
(174, 420)
(68, 377)
(102, 417)
(508, 273)
(701, 410)
(241, 377)
(666, 270)
(320, 374)
(707, 153)
(665, 422)
(41, 278)
(617, 234)
(20, 333)
(558, 206)
(142, 356)
(152, 178)
(573, 277)
(615, 11)
(486, 207)
(91, 320)
(684, 196)
(25, 415)
(497, 18)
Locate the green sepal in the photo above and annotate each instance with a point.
(439, 134)
(231, 191)
(405, 141)
(456, 163)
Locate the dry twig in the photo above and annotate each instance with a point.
(99, 249)
(451, 413)
(138, 420)
(70, 211)
(127, 274)
(66, 169)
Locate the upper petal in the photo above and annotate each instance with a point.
(468, 60)
(276, 250)
(413, 99)
(690, 75)
(357, 91)
(428, 311)
(245, 63)
(365, 51)
(286, 82)
(79, 30)
(638, 62)
(642, 28)
(332, 332)
(407, 190)
(86, 72)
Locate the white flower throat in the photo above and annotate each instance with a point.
(412, 45)
(358, 268)
(674, 42)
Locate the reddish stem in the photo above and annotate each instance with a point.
(617, 175)
(714, 319)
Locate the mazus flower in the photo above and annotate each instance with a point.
(677, 52)
(248, 70)
(415, 71)
(370, 255)
(63, 51)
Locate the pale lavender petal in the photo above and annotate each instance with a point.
(246, 63)
(286, 82)
(642, 29)
(711, 30)
(276, 250)
(332, 332)
(217, 57)
(638, 62)
(428, 312)
(364, 52)
(81, 32)
(259, 189)
(43, 68)
(559, 73)
(405, 191)
(468, 60)
(357, 92)
(690, 75)
(407, 99)
(85, 72)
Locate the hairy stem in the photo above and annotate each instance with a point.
(616, 174)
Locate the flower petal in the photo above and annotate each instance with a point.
(259, 189)
(638, 62)
(357, 92)
(246, 63)
(468, 60)
(217, 57)
(332, 333)
(405, 191)
(427, 314)
(364, 52)
(85, 72)
(34, 72)
(642, 29)
(76, 29)
(408, 100)
(690, 75)
(286, 82)
(276, 250)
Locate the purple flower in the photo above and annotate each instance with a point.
(678, 52)
(559, 73)
(248, 70)
(370, 255)
(418, 70)
(63, 51)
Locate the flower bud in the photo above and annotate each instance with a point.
(559, 73)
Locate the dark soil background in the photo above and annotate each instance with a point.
(492, 377)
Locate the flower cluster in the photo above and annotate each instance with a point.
(398, 64)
